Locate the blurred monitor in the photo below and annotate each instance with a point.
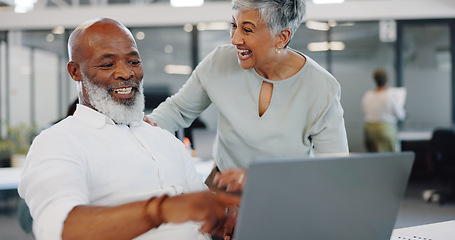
(154, 95)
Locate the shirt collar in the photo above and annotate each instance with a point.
(96, 119)
(91, 117)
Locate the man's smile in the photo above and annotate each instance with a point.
(123, 92)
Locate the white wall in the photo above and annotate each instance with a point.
(46, 82)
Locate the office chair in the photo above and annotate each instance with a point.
(442, 150)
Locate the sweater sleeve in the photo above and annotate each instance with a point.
(332, 137)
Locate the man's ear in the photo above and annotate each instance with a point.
(74, 70)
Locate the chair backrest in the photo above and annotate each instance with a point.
(442, 146)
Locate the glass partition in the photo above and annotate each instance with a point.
(354, 66)
(427, 71)
(161, 47)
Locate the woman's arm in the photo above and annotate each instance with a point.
(332, 137)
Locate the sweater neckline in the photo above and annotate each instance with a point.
(291, 78)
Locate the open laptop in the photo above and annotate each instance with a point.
(350, 197)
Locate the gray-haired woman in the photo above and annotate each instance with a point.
(272, 100)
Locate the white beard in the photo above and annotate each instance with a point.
(131, 110)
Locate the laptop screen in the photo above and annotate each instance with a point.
(355, 196)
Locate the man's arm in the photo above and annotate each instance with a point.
(94, 222)
(131, 220)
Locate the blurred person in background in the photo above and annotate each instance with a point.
(382, 111)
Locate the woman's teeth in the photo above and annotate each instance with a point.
(244, 52)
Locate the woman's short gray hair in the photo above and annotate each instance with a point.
(277, 14)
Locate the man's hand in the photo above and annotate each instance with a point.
(211, 208)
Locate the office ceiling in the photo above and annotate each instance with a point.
(70, 13)
(66, 3)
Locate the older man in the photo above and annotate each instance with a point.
(104, 173)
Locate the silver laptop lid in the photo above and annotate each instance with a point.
(353, 197)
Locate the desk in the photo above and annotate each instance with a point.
(435, 231)
(424, 135)
(9, 178)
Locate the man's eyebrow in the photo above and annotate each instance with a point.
(134, 53)
(109, 55)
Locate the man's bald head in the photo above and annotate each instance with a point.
(93, 30)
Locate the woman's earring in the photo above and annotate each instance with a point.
(278, 50)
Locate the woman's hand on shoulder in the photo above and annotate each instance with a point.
(149, 121)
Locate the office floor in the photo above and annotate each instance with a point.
(9, 225)
(414, 211)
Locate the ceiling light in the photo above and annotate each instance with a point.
(140, 35)
(318, 46)
(168, 49)
(177, 69)
(58, 30)
(336, 46)
(23, 6)
(213, 26)
(328, 1)
(188, 27)
(187, 3)
(320, 26)
(346, 24)
(50, 37)
(332, 23)
(325, 46)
